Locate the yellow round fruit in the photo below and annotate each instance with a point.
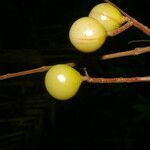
(87, 34)
(62, 81)
(109, 16)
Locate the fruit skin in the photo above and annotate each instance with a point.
(87, 34)
(108, 16)
(62, 81)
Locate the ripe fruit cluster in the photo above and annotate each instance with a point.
(88, 34)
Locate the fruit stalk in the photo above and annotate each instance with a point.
(121, 29)
(117, 80)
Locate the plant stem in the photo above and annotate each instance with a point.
(117, 80)
(134, 52)
(27, 72)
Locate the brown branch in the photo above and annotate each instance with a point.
(134, 52)
(89, 79)
(27, 72)
(136, 23)
(117, 80)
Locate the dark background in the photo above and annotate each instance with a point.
(101, 116)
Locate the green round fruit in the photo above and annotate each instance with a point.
(87, 34)
(109, 16)
(62, 81)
